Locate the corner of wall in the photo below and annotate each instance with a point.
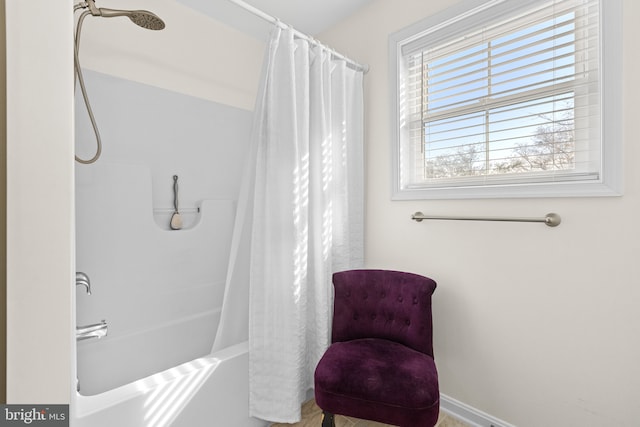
(40, 265)
(3, 209)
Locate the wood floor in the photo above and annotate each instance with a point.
(312, 417)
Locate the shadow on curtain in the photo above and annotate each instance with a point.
(300, 217)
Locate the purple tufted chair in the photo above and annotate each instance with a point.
(380, 364)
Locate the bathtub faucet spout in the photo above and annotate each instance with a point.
(83, 280)
(96, 330)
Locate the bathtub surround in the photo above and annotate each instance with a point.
(173, 280)
(159, 290)
(205, 143)
(307, 219)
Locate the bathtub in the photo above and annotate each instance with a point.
(160, 292)
(126, 355)
(211, 391)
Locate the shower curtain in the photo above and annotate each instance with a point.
(301, 213)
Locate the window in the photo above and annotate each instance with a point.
(508, 99)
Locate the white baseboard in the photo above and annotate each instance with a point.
(469, 414)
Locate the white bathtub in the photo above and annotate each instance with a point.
(211, 391)
(161, 293)
(134, 350)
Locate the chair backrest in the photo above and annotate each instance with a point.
(391, 305)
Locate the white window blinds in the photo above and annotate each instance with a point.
(503, 95)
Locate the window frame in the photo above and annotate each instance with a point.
(455, 19)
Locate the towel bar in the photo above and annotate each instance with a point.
(551, 219)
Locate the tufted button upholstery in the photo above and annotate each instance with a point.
(380, 365)
(361, 294)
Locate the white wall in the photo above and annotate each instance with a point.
(533, 325)
(194, 54)
(39, 201)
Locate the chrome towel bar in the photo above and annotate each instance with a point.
(551, 219)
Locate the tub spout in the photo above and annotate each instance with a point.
(95, 330)
(83, 280)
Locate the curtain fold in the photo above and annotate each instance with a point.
(307, 216)
(233, 327)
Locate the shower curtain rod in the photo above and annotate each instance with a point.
(261, 14)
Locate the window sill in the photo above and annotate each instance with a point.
(573, 189)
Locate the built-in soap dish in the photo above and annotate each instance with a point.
(188, 216)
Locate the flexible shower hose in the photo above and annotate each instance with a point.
(78, 72)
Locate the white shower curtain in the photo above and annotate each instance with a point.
(307, 215)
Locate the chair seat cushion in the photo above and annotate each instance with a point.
(377, 379)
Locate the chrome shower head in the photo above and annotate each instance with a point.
(142, 18)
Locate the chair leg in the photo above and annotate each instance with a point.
(328, 419)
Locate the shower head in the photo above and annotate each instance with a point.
(142, 18)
